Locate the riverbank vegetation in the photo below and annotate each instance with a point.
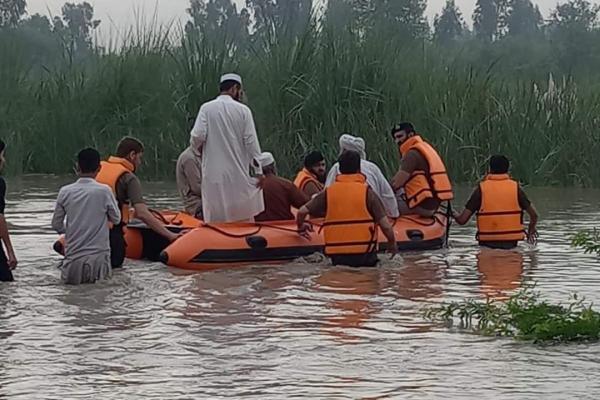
(514, 84)
(589, 241)
(524, 316)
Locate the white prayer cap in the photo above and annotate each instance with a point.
(231, 77)
(266, 159)
(353, 143)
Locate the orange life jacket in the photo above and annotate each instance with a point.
(421, 185)
(500, 217)
(110, 172)
(349, 227)
(304, 177)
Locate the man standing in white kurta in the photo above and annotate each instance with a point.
(225, 133)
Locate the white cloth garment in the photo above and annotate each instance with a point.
(375, 178)
(225, 130)
(354, 143)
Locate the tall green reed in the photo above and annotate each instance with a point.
(305, 90)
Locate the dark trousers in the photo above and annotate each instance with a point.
(506, 245)
(117, 247)
(355, 260)
(5, 272)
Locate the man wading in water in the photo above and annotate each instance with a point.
(499, 203)
(118, 172)
(88, 207)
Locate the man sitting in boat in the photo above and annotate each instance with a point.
(353, 213)
(118, 172)
(375, 178)
(422, 183)
(279, 193)
(311, 178)
(499, 202)
(88, 207)
(188, 174)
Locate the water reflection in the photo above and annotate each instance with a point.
(352, 307)
(500, 272)
(419, 279)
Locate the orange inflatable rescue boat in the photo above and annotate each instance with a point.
(143, 242)
(213, 246)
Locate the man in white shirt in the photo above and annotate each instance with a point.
(88, 206)
(225, 133)
(375, 178)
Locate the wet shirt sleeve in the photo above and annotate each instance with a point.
(2, 195)
(297, 197)
(474, 202)
(524, 201)
(58, 218)
(130, 190)
(375, 206)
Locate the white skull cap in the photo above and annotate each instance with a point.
(231, 77)
(266, 159)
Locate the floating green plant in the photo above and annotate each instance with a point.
(524, 316)
(588, 241)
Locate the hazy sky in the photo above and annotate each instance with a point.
(120, 13)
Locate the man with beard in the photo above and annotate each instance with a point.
(225, 134)
(311, 178)
(422, 182)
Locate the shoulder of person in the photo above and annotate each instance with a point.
(244, 108)
(129, 177)
(370, 165)
(102, 187)
(414, 153)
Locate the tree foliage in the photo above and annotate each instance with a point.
(449, 25)
(523, 18)
(11, 12)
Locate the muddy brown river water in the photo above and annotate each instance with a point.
(301, 330)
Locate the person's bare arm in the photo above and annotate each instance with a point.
(143, 213)
(532, 233)
(303, 227)
(463, 217)
(388, 231)
(399, 180)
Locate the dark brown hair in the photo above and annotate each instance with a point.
(127, 145)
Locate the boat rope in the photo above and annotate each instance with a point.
(232, 235)
(283, 228)
(448, 222)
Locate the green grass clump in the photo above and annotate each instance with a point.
(588, 241)
(524, 316)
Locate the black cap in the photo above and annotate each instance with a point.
(403, 126)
